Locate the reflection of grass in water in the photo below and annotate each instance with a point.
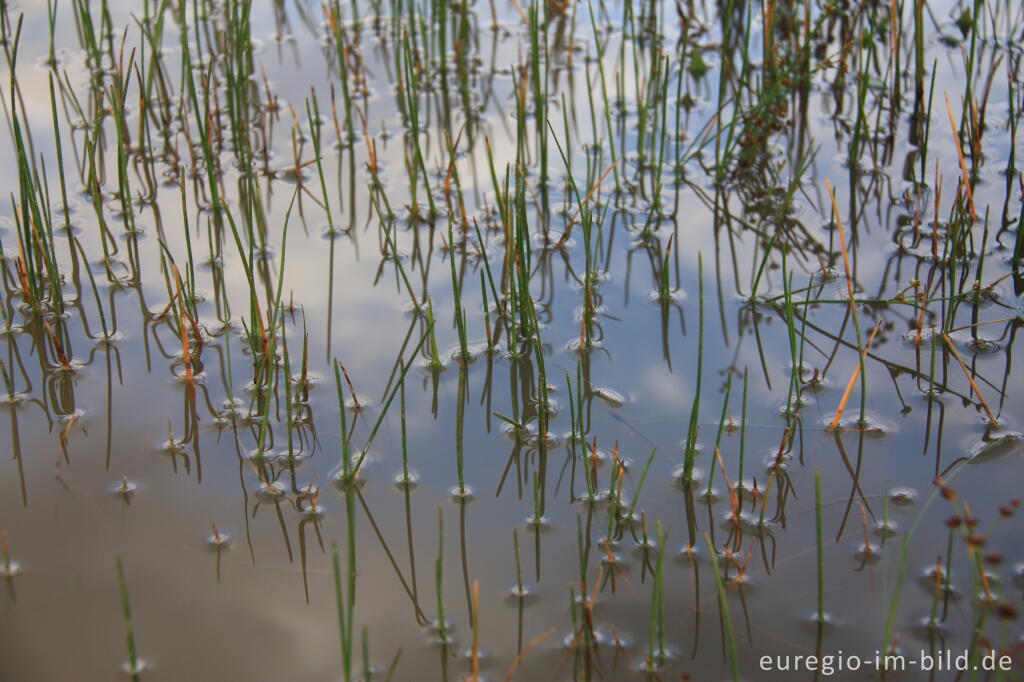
(690, 448)
(210, 121)
(344, 607)
(134, 666)
(723, 606)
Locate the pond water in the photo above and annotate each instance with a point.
(441, 340)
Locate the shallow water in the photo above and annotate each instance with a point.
(120, 456)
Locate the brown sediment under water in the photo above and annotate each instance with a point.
(435, 340)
